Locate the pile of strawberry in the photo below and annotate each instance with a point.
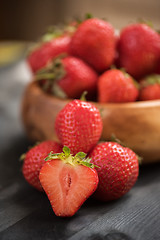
(82, 57)
(71, 170)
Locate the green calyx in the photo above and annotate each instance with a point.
(68, 158)
(52, 32)
(117, 140)
(52, 73)
(147, 22)
(88, 16)
(151, 80)
(127, 75)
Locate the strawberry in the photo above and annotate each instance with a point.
(79, 126)
(139, 49)
(118, 170)
(41, 55)
(94, 41)
(34, 160)
(68, 77)
(116, 86)
(68, 181)
(150, 88)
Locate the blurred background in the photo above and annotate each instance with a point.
(25, 21)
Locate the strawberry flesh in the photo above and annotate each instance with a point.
(67, 186)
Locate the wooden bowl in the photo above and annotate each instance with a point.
(135, 124)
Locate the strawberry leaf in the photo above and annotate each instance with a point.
(87, 164)
(151, 80)
(80, 155)
(52, 155)
(66, 151)
(66, 157)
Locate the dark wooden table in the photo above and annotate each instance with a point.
(26, 214)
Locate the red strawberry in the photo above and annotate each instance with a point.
(47, 51)
(94, 41)
(150, 88)
(116, 86)
(139, 49)
(69, 77)
(68, 181)
(117, 170)
(79, 126)
(34, 160)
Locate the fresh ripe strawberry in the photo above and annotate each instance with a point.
(79, 77)
(118, 170)
(47, 51)
(115, 86)
(150, 88)
(69, 77)
(34, 160)
(94, 41)
(68, 181)
(79, 126)
(139, 49)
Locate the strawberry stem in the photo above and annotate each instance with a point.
(140, 159)
(22, 157)
(117, 140)
(83, 96)
(88, 16)
(42, 76)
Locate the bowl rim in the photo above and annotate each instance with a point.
(136, 104)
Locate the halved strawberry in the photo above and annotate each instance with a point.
(68, 181)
